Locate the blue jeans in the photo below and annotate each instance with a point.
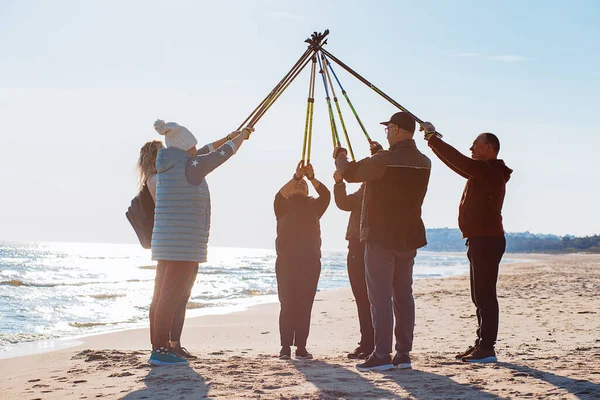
(389, 283)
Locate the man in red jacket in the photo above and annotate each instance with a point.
(480, 221)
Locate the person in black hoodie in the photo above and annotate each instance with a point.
(356, 264)
(480, 221)
(298, 263)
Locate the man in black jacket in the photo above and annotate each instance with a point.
(356, 264)
(298, 263)
(392, 229)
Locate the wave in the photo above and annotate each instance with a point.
(192, 305)
(89, 324)
(18, 283)
(7, 339)
(253, 292)
(106, 296)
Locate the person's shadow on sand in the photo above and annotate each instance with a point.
(171, 382)
(579, 387)
(337, 380)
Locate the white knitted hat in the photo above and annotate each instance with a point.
(175, 135)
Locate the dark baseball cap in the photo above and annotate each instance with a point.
(402, 120)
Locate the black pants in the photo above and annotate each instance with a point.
(485, 253)
(356, 274)
(297, 279)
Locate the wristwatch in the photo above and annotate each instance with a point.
(229, 136)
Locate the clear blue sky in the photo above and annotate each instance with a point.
(81, 84)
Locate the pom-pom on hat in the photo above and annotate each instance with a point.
(175, 135)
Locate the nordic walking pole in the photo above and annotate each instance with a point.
(277, 87)
(347, 99)
(337, 106)
(334, 134)
(276, 96)
(309, 106)
(312, 107)
(315, 42)
(369, 84)
(276, 92)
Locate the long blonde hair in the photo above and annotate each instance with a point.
(146, 165)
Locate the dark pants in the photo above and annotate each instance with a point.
(297, 279)
(389, 283)
(484, 255)
(172, 288)
(358, 282)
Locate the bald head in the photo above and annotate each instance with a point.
(485, 147)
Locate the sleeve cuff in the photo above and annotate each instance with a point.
(210, 147)
(232, 145)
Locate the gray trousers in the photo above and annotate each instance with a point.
(389, 283)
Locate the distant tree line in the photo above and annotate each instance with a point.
(445, 239)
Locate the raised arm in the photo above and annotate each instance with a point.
(322, 202)
(456, 160)
(286, 189)
(452, 167)
(215, 145)
(368, 169)
(202, 164)
(344, 201)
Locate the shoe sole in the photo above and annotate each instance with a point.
(485, 360)
(404, 366)
(286, 357)
(461, 356)
(157, 362)
(384, 367)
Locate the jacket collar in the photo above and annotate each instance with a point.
(407, 143)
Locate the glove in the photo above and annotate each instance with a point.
(429, 130)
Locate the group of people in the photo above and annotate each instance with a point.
(385, 229)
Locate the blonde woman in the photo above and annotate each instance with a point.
(146, 167)
(181, 226)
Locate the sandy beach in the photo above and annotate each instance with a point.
(549, 347)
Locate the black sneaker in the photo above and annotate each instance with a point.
(374, 363)
(182, 352)
(303, 354)
(481, 355)
(354, 355)
(467, 352)
(285, 353)
(402, 361)
(360, 353)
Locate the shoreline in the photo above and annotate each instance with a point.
(548, 347)
(59, 343)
